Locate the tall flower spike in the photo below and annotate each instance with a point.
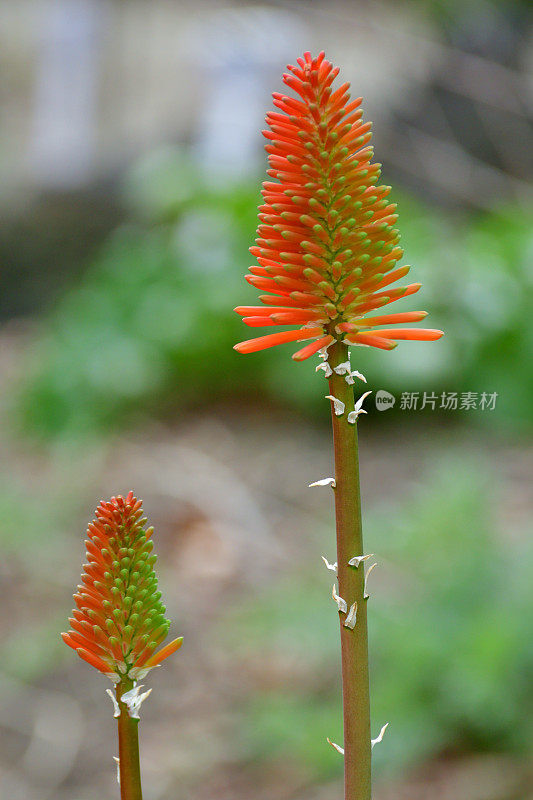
(327, 248)
(119, 620)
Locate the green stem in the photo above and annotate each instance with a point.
(354, 643)
(128, 748)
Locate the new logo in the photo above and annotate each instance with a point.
(384, 400)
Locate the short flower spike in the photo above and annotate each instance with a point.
(327, 249)
(120, 620)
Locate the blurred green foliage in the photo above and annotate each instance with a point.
(450, 609)
(150, 325)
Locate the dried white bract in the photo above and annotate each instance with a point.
(351, 617)
(355, 374)
(369, 570)
(332, 567)
(134, 700)
(343, 369)
(356, 560)
(341, 603)
(138, 673)
(117, 761)
(338, 405)
(352, 416)
(379, 737)
(116, 707)
(326, 367)
(324, 482)
(336, 747)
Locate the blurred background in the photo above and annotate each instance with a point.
(131, 160)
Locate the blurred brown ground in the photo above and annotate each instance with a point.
(228, 496)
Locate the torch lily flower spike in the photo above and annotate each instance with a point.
(119, 620)
(327, 248)
(327, 253)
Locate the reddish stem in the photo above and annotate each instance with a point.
(354, 643)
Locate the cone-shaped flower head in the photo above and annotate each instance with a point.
(327, 248)
(119, 620)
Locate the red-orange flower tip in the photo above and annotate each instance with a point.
(119, 619)
(327, 246)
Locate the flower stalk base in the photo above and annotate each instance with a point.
(128, 746)
(354, 642)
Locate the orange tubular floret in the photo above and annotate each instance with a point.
(93, 660)
(258, 322)
(314, 347)
(165, 652)
(420, 334)
(372, 340)
(253, 345)
(326, 241)
(391, 319)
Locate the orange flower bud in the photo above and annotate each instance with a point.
(119, 620)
